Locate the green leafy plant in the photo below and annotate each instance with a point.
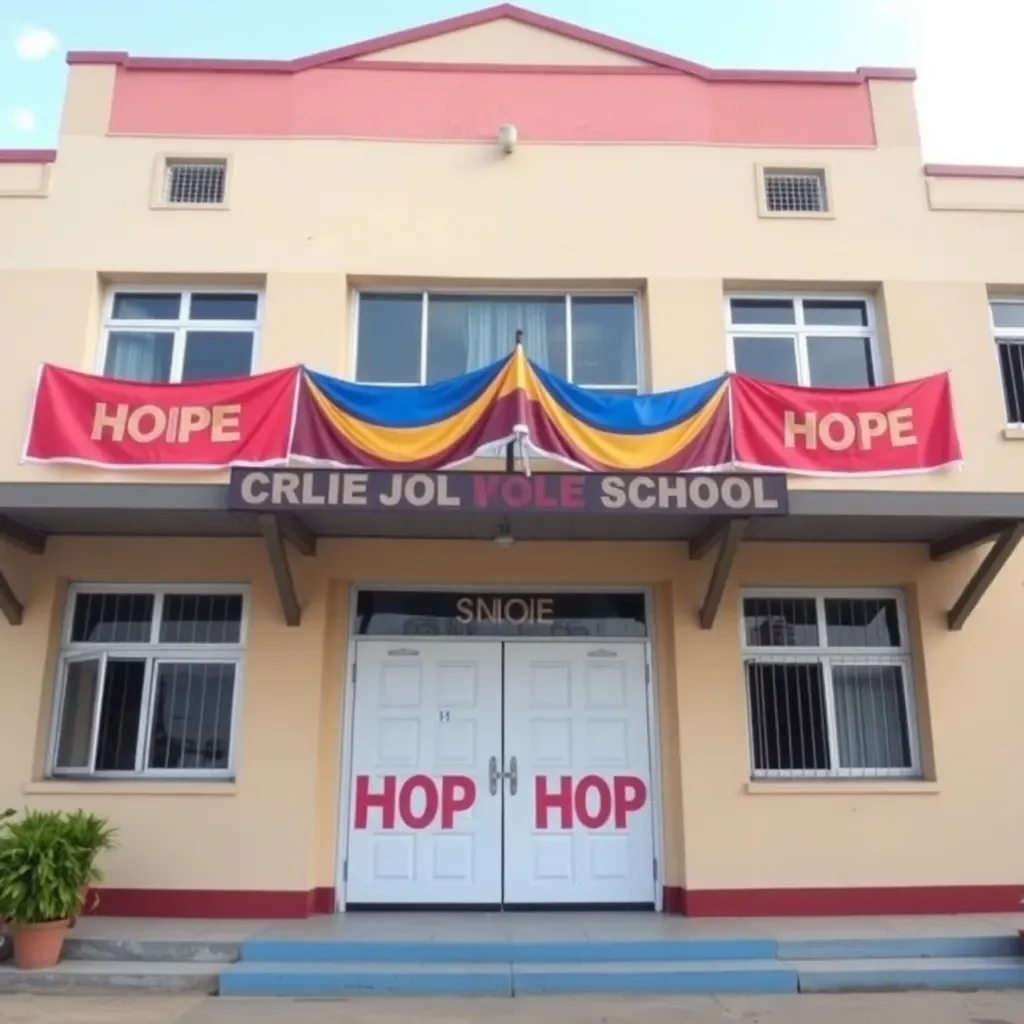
(47, 859)
(93, 836)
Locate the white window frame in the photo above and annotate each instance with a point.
(1012, 335)
(154, 653)
(567, 294)
(801, 330)
(182, 325)
(828, 656)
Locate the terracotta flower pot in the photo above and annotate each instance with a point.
(38, 945)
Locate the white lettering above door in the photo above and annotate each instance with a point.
(516, 610)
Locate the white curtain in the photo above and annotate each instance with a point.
(870, 716)
(139, 356)
(491, 326)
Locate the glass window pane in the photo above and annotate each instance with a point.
(768, 358)
(787, 716)
(871, 717)
(389, 339)
(862, 622)
(118, 736)
(192, 709)
(1008, 314)
(780, 622)
(217, 355)
(112, 618)
(465, 332)
(840, 362)
(603, 340)
(143, 356)
(837, 312)
(201, 619)
(81, 681)
(140, 306)
(227, 306)
(762, 311)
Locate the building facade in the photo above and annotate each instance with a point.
(814, 712)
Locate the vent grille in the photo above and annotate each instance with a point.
(195, 182)
(795, 192)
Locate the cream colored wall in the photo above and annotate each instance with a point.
(503, 42)
(959, 827)
(315, 218)
(276, 827)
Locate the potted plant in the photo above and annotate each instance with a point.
(45, 866)
(93, 835)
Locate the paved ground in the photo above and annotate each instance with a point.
(912, 1008)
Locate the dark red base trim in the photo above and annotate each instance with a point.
(934, 899)
(213, 903)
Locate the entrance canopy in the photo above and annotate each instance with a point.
(712, 513)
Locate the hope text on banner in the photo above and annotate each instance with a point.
(899, 428)
(98, 421)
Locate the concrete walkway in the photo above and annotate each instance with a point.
(911, 1008)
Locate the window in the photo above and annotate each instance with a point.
(811, 341)
(195, 182)
(795, 191)
(1008, 331)
(421, 338)
(828, 682)
(148, 681)
(180, 336)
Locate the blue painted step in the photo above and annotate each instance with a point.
(908, 948)
(255, 978)
(272, 950)
(905, 975)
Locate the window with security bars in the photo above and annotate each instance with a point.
(792, 191)
(148, 682)
(829, 685)
(1007, 318)
(195, 182)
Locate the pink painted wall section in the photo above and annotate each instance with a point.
(413, 102)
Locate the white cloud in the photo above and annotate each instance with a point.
(967, 55)
(24, 120)
(35, 44)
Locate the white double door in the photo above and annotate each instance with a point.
(489, 773)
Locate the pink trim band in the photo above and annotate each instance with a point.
(972, 171)
(652, 58)
(27, 156)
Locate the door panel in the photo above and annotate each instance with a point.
(578, 828)
(424, 826)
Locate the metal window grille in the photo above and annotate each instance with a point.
(828, 686)
(795, 191)
(195, 183)
(1011, 370)
(148, 682)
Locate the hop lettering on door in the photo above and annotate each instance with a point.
(420, 803)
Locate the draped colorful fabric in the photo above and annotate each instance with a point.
(448, 423)
(727, 423)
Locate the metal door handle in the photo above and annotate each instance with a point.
(493, 775)
(513, 777)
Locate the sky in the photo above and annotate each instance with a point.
(967, 52)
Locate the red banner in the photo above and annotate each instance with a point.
(901, 428)
(98, 421)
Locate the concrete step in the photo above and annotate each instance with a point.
(150, 950)
(905, 948)
(259, 978)
(909, 974)
(271, 950)
(83, 976)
